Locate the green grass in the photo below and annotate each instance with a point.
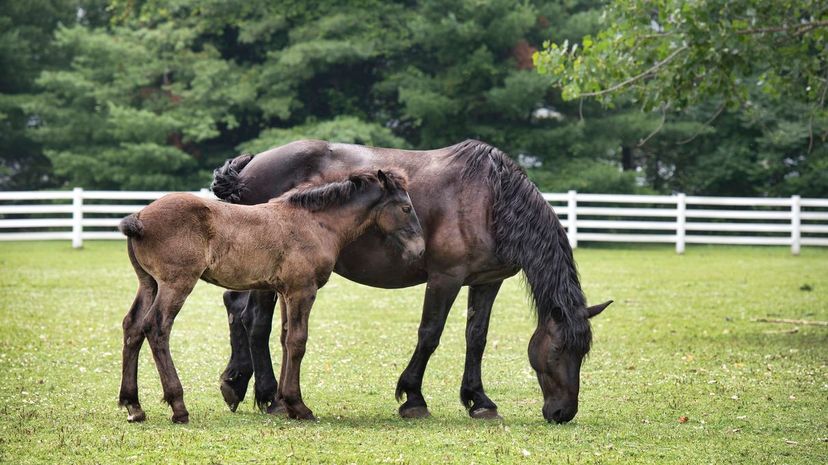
(679, 341)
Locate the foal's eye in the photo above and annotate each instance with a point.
(406, 208)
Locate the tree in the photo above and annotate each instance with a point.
(26, 30)
(760, 64)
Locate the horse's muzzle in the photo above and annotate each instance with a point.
(560, 413)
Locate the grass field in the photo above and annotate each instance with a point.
(679, 342)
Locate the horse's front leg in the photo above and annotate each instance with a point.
(258, 321)
(441, 290)
(239, 369)
(299, 305)
(472, 395)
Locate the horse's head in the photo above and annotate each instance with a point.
(396, 217)
(557, 363)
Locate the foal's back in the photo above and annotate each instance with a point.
(186, 237)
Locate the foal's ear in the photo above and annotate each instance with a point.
(596, 309)
(383, 178)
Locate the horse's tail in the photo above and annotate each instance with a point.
(226, 182)
(131, 226)
(528, 234)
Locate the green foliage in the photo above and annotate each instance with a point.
(587, 176)
(153, 95)
(678, 341)
(762, 65)
(346, 129)
(678, 53)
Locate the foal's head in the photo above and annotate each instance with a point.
(383, 194)
(396, 218)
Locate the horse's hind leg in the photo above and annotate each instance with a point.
(258, 321)
(157, 326)
(472, 395)
(133, 340)
(441, 291)
(239, 369)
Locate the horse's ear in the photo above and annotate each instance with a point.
(383, 178)
(596, 309)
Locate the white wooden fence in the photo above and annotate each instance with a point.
(678, 219)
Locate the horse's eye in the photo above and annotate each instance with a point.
(406, 209)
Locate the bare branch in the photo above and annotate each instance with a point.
(633, 79)
(813, 111)
(657, 129)
(706, 123)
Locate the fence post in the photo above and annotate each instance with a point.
(77, 218)
(796, 207)
(572, 218)
(681, 221)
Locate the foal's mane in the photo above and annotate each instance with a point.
(320, 197)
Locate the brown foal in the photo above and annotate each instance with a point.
(288, 245)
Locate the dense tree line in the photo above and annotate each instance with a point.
(130, 94)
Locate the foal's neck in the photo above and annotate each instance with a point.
(351, 219)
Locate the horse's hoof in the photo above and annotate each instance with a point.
(181, 419)
(230, 398)
(420, 411)
(485, 414)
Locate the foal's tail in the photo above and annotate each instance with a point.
(131, 226)
(226, 182)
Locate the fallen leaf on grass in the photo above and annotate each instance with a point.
(793, 443)
(683, 419)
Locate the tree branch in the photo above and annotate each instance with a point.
(633, 79)
(657, 129)
(798, 29)
(706, 123)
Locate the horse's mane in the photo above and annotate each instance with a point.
(528, 234)
(316, 198)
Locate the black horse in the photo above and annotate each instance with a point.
(482, 220)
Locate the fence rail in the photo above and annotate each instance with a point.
(79, 215)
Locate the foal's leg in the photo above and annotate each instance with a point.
(298, 310)
(258, 320)
(157, 326)
(278, 407)
(472, 396)
(239, 369)
(441, 291)
(133, 340)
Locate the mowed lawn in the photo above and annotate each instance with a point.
(679, 344)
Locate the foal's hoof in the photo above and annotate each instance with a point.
(277, 408)
(230, 398)
(135, 414)
(137, 417)
(484, 413)
(306, 417)
(419, 411)
(182, 419)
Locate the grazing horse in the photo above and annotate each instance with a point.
(483, 221)
(288, 245)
